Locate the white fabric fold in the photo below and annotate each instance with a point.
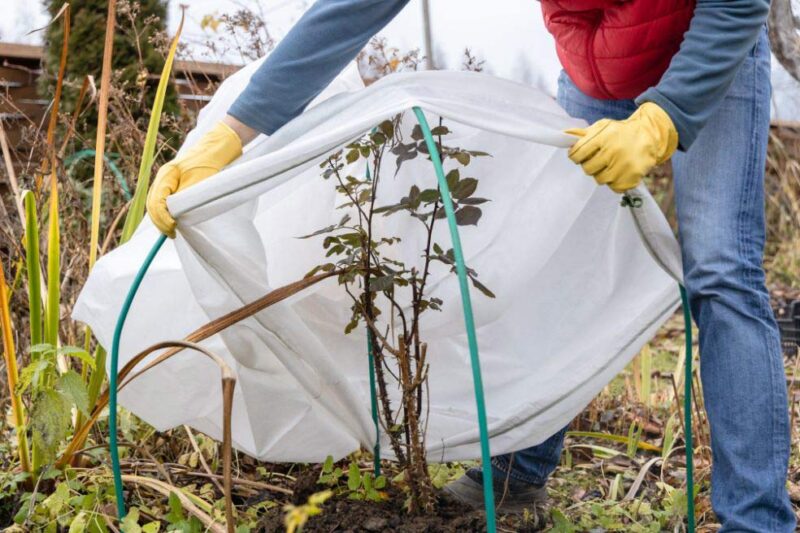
(581, 281)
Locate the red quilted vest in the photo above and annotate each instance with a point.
(615, 49)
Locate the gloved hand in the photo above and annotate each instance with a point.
(213, 151)
(618, 153)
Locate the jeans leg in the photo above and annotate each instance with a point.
(535, 464)
(532, 465)
(719, 186)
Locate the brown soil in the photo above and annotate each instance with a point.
(352, 516)
(341, 514)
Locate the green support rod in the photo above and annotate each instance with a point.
(461, 270)
(112, 374)
(687, 412)
(373, 396)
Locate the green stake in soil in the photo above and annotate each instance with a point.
(469, 321)
(687, 412)
(373, 396)
(113, 371)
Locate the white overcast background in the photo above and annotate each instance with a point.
(508, 34)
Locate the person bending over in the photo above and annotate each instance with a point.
(656, 79)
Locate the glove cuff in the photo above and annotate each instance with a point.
(663, 125)
(222, 143)
(216, 149)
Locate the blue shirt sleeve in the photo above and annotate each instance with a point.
(332, 32)
(328, 36)
(720, 35)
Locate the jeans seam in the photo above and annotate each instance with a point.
(748, 203)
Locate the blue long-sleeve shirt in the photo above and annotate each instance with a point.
(332, 32)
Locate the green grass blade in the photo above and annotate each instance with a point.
(614, 438)
(52, 308)
(646, 357)
(33, 267)
(136, 211)
(98, 375)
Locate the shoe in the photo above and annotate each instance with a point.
(510, 496)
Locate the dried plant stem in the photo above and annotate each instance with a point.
(12, 375)
(188, 503)
(202, 459)
(12, 176)
(202, 333)
(87, 86)
(102, 119)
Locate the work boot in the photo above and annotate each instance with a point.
(510, 496)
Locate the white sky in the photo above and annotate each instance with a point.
(508, 34)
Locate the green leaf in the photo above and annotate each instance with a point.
(352, 156)
(465, 188)
(32, 374)
(52, 310)
(381, 283)
(175, 514)
(78, 524)
(481, 287)
(353, 324)
(57, 500)
(452, 178)
(327, 466)
(50, 421)
(41, 348)
(130, 524)
(403, 157)
(380, 482)
(71, 385)
(353, 476)
(429, 196)
(387, 127)
(33, 267)
(462, 157)
(472, 201)
(561, 524)
(322, 231)
(78, 353)
(468, 215)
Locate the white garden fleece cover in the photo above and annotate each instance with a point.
(581, 281)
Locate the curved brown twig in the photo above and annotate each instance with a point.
(228, 385)
(228, 379)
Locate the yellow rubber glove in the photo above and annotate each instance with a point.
(211, 154)
(618, 153)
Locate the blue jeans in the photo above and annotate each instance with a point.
(719, 190)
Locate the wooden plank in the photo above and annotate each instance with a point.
(215, 71)
(20, 51)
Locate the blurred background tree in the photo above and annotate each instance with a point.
(140, 43)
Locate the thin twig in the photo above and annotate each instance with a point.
(202, 459)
